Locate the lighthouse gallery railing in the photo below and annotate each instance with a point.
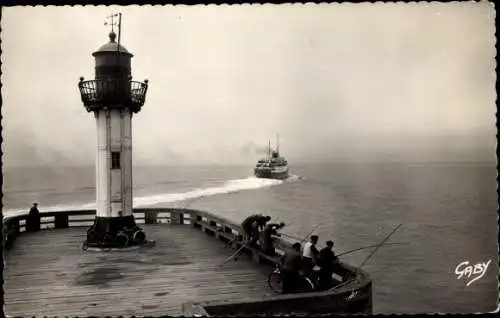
(99, 93)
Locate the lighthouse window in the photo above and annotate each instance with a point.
(115, 160)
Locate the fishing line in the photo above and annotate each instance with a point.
(378, 246)
(308, 234)
(362, 248)
(298, 238)
(290, 236)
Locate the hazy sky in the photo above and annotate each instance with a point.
(336, 81)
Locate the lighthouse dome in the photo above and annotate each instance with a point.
(112, 46)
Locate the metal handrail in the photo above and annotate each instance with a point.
(112, 92)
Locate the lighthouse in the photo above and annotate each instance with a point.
(113, 98)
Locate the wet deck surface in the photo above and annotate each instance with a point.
(47, 273)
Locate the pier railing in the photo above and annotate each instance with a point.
(354, 293)
(13, 226)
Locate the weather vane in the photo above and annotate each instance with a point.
(115, 23)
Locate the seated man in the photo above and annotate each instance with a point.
(270, 230)
(327, 262)
(290, 267)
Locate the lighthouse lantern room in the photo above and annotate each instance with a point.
(113, 98)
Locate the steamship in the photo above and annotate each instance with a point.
(116, 260)
(273, 166)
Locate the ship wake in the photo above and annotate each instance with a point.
(225, 187)
(229, 186)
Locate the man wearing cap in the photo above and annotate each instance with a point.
(327, 261)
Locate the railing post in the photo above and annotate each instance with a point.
(17, 227)
(10, 232)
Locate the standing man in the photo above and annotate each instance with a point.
(270, 230)
(290, 267)
(326, 260)
(309, 255)
(33, 219)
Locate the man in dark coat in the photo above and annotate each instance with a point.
(327, 261)
(270, 230)
(291, 263)
(261, 221)
(33, 219)
(251, 226)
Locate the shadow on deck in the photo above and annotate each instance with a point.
(48, 274)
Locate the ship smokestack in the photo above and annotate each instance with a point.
(278, 144)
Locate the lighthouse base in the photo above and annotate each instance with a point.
(115, 232)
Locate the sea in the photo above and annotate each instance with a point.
(448, 213)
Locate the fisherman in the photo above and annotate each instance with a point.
(327, 261)
(262, 221)
(290, 267)
(270, 230)
(309, 255)
(248, 226)
(251, 226)
(33, 219)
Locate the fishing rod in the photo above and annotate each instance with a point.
(234, 254)
(285, 224)
(305, 238)
(298, 238)
(349, 251)
(378, 246)
(290, 236)
(362, 248)
(373, 252)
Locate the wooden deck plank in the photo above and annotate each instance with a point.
(47, 273)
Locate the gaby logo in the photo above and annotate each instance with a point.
(466, 270)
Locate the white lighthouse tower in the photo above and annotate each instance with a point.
(113, 98)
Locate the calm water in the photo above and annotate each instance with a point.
(448, 211)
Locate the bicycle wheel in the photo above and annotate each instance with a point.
(274, 282)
